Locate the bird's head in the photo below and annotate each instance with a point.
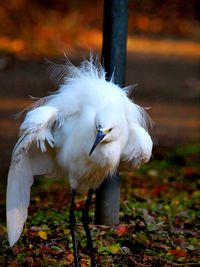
(103, 135)
(107, 128)
(110, 126)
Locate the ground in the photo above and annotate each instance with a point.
(159, 219)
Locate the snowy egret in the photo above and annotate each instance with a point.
(93, 128)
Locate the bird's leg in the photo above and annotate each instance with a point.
(86, 220)
(72, 222)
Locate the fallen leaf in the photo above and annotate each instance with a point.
(121, 230)
(102, 249)
(80, 205)
(39, 228)
(70, 257)
(159, 189)
(85, 262)
(43, 235)
(114, 248)
(52, 250)
(178, 252)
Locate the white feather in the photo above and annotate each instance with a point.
(20, 179)
(26, 162)
(138, 148)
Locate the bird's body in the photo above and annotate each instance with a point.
(58, 134)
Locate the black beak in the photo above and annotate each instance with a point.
(99, 137)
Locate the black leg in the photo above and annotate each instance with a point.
(72, 222)
(85, 218)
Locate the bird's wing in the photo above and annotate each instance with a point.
(143, 117)
(20, 179)
(27, 161)
(130, 90)
(138, 149)
(137, 114)
(58, 72)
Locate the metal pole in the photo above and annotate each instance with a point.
(115, 24)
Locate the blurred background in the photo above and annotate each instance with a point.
(163, 58)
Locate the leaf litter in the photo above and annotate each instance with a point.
(159, 219)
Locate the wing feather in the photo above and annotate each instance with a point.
(137, 114)
(144, 119)
(58, 72)
(20, 179)
(138, 149)
(28, 161)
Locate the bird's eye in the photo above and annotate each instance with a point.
(98, 126)
(109, 130)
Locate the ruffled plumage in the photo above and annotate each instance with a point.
(66, 122)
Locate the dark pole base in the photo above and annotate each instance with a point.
(108, 201)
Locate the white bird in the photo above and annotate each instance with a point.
(85, 131)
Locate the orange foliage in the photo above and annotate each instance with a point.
(53, 27)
